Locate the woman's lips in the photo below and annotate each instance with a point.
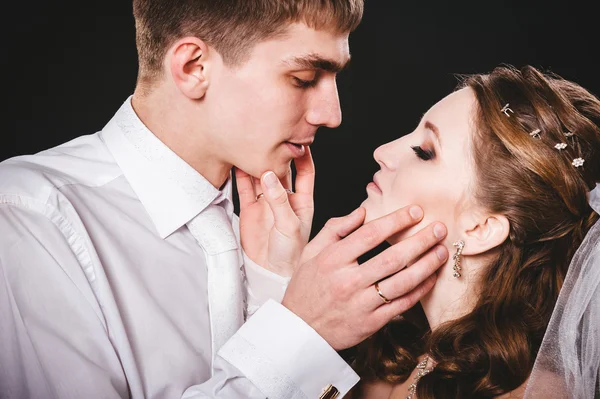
(374, 185)
(374, 188)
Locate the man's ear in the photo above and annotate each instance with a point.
(482, 232)
(189, 64)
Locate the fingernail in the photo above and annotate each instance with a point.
(441, 253)
(439, 230)
(270, 180)
(416, 212)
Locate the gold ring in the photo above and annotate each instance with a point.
(383, 298)
(287, 190)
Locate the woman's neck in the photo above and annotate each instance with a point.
(452, 297)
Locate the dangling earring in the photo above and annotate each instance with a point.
(460, 244)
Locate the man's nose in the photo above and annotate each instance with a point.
(325, 107)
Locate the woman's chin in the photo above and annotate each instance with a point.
(370, 212)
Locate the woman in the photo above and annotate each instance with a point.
(506, 163)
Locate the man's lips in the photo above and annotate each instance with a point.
(298, 147)
(297, 150)
(305, 142)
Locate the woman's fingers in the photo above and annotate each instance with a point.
(305, 174)
(245, 188)
(286, 221)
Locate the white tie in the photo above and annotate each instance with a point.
(213, 230)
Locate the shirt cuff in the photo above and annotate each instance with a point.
(263, 284)
(285, 358)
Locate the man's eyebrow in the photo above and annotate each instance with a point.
(314, 61)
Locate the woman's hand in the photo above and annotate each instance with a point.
(275, 228)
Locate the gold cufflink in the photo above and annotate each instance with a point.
(330, 392)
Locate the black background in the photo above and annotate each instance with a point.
(68, 66)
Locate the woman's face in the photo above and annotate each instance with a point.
(430, 167)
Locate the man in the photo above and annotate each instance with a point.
(122, 272)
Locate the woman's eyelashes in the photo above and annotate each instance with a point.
(425, 155)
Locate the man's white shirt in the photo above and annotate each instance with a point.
(105, 273)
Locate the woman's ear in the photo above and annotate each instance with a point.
(483, 232)
(189, 65)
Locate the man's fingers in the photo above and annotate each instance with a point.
(286, 221)
(376, 231)
(245, 188)
(404, 282)
(305, 174)
(387, 312)
(334, 230)
(404, 252)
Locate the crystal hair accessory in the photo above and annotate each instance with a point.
(579, 161)
(506, 109)
(536, 134)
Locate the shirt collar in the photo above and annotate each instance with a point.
(171, 191)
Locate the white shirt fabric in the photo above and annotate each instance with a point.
(120, 278)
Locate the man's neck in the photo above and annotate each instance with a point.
(168, 118)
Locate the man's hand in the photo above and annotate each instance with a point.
(275, 227)
(336, 296)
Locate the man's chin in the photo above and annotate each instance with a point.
(280, 170)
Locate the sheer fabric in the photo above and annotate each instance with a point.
(568, 363)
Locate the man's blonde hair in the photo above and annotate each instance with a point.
(232, 27)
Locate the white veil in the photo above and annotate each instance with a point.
(568, 363)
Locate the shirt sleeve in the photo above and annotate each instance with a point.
(262, 285)
(283, 357)
(53, 342)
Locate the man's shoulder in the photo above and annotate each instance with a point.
(84, 161)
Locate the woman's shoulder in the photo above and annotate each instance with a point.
(518, 393)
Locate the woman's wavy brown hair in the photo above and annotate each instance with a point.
(491, 350)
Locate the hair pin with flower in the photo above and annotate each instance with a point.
(536, 134)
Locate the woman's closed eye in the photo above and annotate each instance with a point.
(425, 155)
